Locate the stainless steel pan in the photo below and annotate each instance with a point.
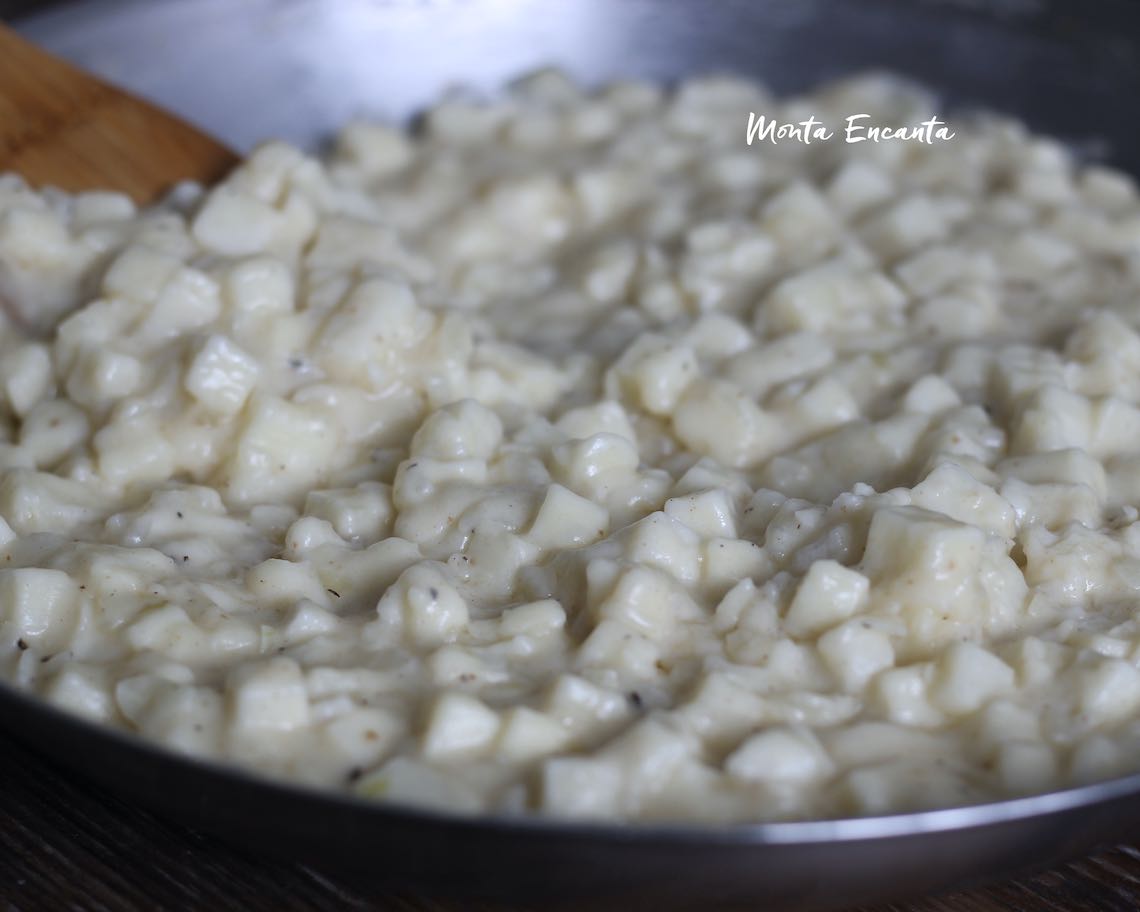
(297, 68)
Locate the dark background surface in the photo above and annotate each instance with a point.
(10, 9)
(68, 845)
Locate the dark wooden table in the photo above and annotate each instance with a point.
(66, 845)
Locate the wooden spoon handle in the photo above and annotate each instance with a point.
(61, 126)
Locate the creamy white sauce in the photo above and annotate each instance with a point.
(574, 457)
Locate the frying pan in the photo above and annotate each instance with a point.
(298, 68)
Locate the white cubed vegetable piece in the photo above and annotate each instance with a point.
(25, 376)
(234, 224)
(83, 689)
(363, 513)
(711, 513)
(365, 735)
(188, 719)
(954, 492)
(221, 376)
(39, 607)
(583, 465)
(967, 676)
(567, 520)
(779, 754)
(134, 452)
(377, 149)
(1109, 692)
(660, 377)
(268, 697)
(534, 619)
(462, 430)
(527, 735)
(946, 580)
(283, 451)
(582, 706)
(100, 377)
(259, 286)
(308, 621)
(427, 605)
(279, 583)
(828, 594)
(582, 787)
(1024, 767)
(647, 601)
(406, 781)
(140, 273)
(902, 696)
(459, 727)
(663, 542)
(52, 429)
(190, 299)
(854, 652)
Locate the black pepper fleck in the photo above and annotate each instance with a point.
(333, 592)
(434, 593)
(355, 773)
(179, 514)
(635, 699)
(21, 645)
